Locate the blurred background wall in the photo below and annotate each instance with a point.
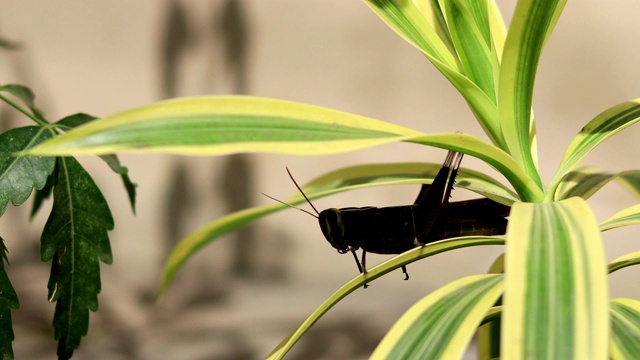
(239, 297)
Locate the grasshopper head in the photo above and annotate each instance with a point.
(333, 229)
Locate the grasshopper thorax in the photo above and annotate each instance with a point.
(333, 229)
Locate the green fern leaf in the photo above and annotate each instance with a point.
(75, 237)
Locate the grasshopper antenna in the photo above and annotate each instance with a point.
(302, 192)
(291, 206)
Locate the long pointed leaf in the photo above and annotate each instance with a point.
(630, 180)
(587, 180)
(526, 188)
(408, 21)
(489, 331)
(497, 28)
(556, 295)
(469, 29)
(432, 13)
(441, 325)
(223, 125)
(530, 28)
(373, 273)
(627, 217)
(601, 128)
(408, 173)
(624, 261)
(625, 329)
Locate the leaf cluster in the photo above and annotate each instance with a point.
(74, 238)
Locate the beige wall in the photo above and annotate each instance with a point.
(101, 57)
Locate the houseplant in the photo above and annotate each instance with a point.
(553, 243)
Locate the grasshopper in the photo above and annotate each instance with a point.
(396, 229)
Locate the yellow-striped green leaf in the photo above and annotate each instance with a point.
(375, 272)
(532, 23)
(526, 188)
(625, 261)
(625, 329)
(489, 331)
(630, 180)
(441, 325)
(626, 217)
(432, 13)
(497, 28)
(602, 127)
(224, 125)
(468, 24)
(587, 180)
(345, 179)
(556, 294)
(409, 21)
(360, 176)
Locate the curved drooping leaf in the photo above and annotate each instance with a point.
(627, 217)
(345, 179)
(189, 245)
(630, 180)
(408, 20)
(625, 329)
(441, 325)
(373, 273)
(224, 125)
(625, 261)
(367, 175)
(526, 188)
(601, 128)
(531, 25)
(587, 180)
(19, 175)
(75, 239)
(556, 294)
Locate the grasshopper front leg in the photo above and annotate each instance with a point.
(362, 268)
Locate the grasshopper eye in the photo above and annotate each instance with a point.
(333, 230)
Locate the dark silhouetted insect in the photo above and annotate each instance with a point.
(396, 229)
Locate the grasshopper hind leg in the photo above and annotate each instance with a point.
(404, 271)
